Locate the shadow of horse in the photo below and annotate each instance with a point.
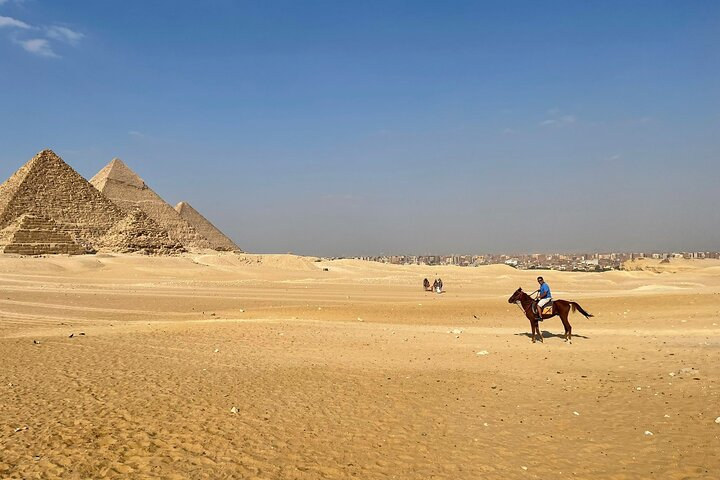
(546, 334)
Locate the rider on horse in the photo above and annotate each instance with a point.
(543, 298)
(560, 308)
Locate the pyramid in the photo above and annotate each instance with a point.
(48, 187)
(126, 189)
(137, 232)
(35, 234)
(218, 240)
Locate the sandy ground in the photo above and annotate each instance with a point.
(353, 372)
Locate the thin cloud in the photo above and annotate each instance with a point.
(64, 34)
(139, 136)
(38, 46)
(557, 119)
(9, 22)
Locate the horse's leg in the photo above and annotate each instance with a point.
(566, 323)
(533, 326)
(539, 332)
(532, 330)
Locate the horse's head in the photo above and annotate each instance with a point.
(515, 296)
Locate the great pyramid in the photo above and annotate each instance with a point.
(218, 240)
(48, 187)
(126, 189)
(35, 234)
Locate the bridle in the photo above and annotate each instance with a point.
(518, 302)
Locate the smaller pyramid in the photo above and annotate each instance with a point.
(126, 189)
(218, 240)
(139, 233)
(33, 234)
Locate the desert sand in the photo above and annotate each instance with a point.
(247, 366)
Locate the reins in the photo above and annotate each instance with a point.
(518, 302)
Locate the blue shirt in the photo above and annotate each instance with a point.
(545, 289)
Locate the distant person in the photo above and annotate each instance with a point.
(426, 285)
(543, 298)
(440, 285)
(435, 285)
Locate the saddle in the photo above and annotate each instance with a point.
(546, 309)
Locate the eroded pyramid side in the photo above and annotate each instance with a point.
(125, 188)
(218, 240)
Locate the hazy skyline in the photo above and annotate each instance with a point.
(351, 128)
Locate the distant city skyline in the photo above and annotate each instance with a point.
(563, 261)
(347, 129)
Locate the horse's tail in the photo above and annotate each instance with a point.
(577, 306)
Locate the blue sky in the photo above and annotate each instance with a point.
(344, 127)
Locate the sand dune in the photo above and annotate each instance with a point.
(350, 372)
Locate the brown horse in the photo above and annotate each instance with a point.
(559, 307)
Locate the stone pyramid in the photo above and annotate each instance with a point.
(125, 188)
(47, 186)
(218, 240)
(35, 234)
(137, 232)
